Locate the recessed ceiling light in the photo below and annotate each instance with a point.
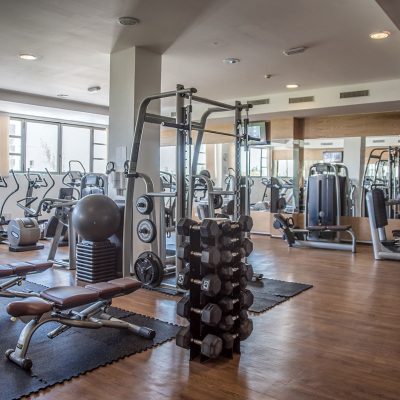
(128, 21)
(292, 86)
(29, 57)
(231, 60)
(379, 35)
(94, 89)
(62, 95)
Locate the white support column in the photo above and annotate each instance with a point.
(354, 160)
(134, 74)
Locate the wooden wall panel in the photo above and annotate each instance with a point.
(376, 124)
(282, 128)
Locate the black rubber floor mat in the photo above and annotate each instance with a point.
(71, 354)
(169, 291)
(270, 292)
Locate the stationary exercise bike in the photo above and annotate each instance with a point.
(24, 233)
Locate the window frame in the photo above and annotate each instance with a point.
(60, 123)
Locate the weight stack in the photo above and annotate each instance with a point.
(96, 261)
(227, 275)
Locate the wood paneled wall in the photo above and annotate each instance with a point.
(377, 124)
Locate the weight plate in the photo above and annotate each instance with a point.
(218, 201)
(144, 205)
(149, 269)
(146, 230)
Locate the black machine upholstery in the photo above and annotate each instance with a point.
(378, 200)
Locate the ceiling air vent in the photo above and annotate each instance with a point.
(357, 93)
(326, 143)
(259, 102)
(173, 114)
(306, 99)
(379, 141)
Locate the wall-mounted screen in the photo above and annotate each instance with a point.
(333, 156)
(259, 132)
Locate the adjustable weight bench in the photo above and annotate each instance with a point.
(57, 305)
(15, 273)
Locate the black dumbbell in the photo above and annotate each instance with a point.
(208, 228)
(211, 346)
(246, 299)
(210, 315)
(229, 338)
(210, 284)
(245, 223)
(228, 256)
(246, 270)
(228, 321)
(210, 256)
(228, 286)
(227, 272)
(228, 241)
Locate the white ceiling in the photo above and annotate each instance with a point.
(74, 39)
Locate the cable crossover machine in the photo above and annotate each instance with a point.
(151, 266)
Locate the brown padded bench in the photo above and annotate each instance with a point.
(15, 273)
(23, 268)
(57, 305)
(66, 297)
(333, 228)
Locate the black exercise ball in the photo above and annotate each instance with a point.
(96, 217)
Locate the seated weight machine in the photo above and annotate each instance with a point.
(328, 199)
(382, 171)
(384, 249)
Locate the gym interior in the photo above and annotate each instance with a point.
(200, 199)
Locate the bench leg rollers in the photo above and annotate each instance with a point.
(24, 363)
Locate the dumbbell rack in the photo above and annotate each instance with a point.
(199, 300)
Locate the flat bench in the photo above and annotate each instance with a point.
(57, 305)
(16, 272)
(66, 297)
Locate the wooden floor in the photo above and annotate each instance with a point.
(339, 340)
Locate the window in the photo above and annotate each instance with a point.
(15, 145)
(168, 159)
(71, 135)
(99, 150)
(37, 145)
(41, 146)
(258, 161)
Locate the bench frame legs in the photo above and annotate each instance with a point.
(15, 281)
(92, 317)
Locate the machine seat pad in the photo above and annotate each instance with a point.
(396, 233)
(6, 270)
(105, 290)
(334, 228)
(69, 296)
(28, 306)
(128, 285)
